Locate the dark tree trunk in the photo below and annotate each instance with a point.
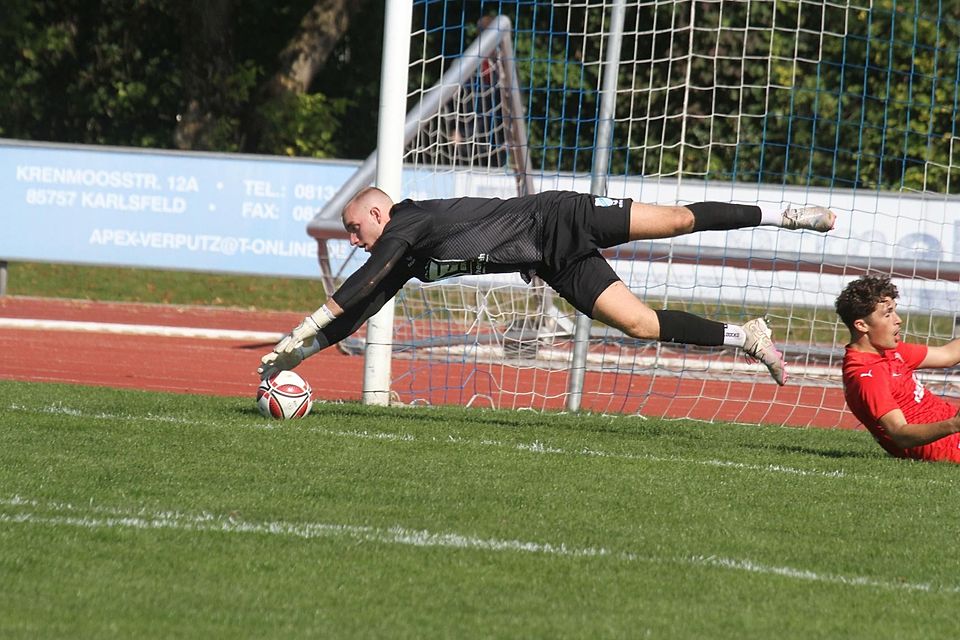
(300, 61)
(208, 63)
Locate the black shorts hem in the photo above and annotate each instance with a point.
(580, 282)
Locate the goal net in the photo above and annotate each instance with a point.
(849, 105)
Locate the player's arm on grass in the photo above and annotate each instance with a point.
(907, 435)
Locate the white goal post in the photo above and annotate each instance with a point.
(493, 44)
(851, 105)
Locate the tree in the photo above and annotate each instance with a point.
(94, 72)
(285, 115)
(209, 77)
(176, 73)
(789, 92)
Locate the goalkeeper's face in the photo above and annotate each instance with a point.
(364, 223)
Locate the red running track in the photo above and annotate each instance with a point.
(227, 367)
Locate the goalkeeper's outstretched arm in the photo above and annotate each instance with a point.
(353, 318)
(364, 282)
(361, 296)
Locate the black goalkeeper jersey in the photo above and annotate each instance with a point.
(435, 239)
(461, 236)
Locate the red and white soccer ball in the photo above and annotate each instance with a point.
(284, 396)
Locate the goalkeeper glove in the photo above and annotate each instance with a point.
(274, 362)
(304, 331)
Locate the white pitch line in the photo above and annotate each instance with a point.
(811, 576)
(535, 447)
(61, 410)
(64, 514)
(138, 329)
(540, 448)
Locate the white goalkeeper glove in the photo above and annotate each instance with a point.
(273, 363)
(304, 331)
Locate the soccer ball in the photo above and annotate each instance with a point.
(284, 396)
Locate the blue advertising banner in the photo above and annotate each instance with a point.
(167, 210)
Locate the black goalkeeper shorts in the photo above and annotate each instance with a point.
(582, 281)
(576, 227)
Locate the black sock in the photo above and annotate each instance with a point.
(723, 216)
(686, 328)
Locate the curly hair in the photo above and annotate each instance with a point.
(860, 298)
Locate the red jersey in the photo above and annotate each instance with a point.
(876, 384)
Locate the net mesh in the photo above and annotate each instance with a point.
(848, 105)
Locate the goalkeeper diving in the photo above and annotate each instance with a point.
(555, 235)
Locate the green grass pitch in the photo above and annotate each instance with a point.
(133, 514)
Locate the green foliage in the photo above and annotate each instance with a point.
(304, 125)
(787, 92)
(89, 72)
(351, 83)
(236, 92)
(872, 108)
(833, 96)
(113, 72)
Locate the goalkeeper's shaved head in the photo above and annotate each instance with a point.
(368, 198)
(365, 216)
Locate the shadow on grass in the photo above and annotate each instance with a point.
(250, 411)
(833, 454)
(496, 418)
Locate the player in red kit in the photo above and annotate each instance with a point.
(878, 381)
